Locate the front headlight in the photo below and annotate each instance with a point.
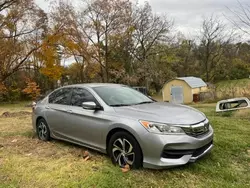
(160, 128)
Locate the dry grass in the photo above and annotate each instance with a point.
(244, 113)
(27, 162)
(233, 88)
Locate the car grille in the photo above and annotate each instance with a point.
(197, 130)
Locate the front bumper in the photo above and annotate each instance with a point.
(164, 151)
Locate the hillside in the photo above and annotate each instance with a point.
(233, 88)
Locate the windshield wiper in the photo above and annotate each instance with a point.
(119, 105)
(145, 102)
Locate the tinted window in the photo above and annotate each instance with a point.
(60, 96)
(81, 95)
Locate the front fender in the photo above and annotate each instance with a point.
(133, 127)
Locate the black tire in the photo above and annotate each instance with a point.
(123, 157)
(42, 130)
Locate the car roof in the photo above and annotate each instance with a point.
(92, 85)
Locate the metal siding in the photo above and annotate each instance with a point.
(193, 82)
(177, 94)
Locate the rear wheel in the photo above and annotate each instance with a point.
(43, 131)
(125, 150)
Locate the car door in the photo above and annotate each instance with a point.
(57, 111)
(86, 126)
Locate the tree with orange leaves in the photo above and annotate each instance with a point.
(22, 23)
(32, 89)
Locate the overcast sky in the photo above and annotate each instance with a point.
(187, 14)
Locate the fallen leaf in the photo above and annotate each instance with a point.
(126, 168)
(85, 154)
(86, 158)
(13, 141)
(6, 114)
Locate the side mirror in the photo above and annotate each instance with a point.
(90, 106)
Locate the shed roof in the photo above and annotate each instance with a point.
(193, 82)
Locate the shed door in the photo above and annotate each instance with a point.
(177, 94)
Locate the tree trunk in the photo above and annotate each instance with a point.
(106, 58)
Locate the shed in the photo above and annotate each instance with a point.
(183, 89)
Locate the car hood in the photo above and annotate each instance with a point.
(162, 112)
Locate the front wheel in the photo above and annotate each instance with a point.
(42, 130)
(125, 150)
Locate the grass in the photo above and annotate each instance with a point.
(27, 162)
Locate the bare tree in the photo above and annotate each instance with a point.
(104, 19)
(241, 17)
(149, 29)
(101, 29)
(4, 4)
(214, 36)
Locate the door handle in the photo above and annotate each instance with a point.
(47, 107)
(70, 111)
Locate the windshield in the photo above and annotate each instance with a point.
(121, 96)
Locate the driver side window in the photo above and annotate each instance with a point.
(81, 95)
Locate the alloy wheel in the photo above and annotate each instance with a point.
(123, 152)
(42, 131)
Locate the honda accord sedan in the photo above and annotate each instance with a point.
(129, 126)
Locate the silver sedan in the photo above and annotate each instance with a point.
(130, 127)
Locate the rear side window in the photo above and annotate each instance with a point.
(233, 104)
(81, 95)
(60, 96)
